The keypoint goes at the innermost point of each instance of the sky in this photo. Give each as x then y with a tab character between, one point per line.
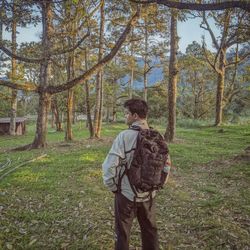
188	32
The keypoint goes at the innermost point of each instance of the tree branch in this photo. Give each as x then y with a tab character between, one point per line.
20	58
208	60
210	31
238	61
39	60
56	53
100	64
19	86
199	7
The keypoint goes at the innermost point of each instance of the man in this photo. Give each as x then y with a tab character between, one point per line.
127	204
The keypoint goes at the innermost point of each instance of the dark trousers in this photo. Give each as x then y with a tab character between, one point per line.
125	212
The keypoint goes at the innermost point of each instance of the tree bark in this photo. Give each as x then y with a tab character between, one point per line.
55	111
70	100
70	76
197	6
196	98
52	117
87	101
145	69
114	118
131	81
220	88
42	121
1	19
172	84
44	97
99	78
13	110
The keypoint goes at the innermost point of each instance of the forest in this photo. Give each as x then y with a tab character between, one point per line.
89	65
70	85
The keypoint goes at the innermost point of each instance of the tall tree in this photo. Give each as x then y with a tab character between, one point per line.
13	111
45	66
87	100
99	78
70	69
132	65
230	35
196	85
172	83
153	25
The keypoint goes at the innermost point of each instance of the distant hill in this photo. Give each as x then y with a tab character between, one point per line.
154	76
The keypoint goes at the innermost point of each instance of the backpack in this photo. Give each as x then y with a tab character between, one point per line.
146	170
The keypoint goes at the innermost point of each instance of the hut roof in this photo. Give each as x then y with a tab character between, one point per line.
7	120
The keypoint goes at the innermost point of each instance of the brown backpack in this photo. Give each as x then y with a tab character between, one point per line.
145	173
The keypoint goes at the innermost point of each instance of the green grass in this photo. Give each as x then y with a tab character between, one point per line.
59	201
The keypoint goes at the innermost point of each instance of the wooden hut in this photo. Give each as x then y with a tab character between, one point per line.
5	126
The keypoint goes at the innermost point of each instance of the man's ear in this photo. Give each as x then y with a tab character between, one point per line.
136	116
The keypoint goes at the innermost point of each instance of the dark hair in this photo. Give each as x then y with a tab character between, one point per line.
138	106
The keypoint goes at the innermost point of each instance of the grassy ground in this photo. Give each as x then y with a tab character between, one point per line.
59	201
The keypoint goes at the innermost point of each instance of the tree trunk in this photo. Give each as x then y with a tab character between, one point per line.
87	102
221	70
69	132
1	18
13	111
221	51
99	124
70	76
74	114
131	81
52	118
145	69
201	98
220	89
114	114
70	100
55	111
40	140
196	98
44	98
108	115
172	84
99	79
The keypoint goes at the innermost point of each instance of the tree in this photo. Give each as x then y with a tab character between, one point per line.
13	15
231	23
196	85
99	77
12	129
172	84
153	25
87	99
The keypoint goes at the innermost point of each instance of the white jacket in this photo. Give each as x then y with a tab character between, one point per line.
121	153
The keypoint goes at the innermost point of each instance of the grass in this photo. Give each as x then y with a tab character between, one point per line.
59	201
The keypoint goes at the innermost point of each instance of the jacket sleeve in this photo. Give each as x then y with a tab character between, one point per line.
112	164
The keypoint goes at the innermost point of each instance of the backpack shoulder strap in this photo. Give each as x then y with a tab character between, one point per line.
135	127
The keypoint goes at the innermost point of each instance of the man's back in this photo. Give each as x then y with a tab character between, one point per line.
122	153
